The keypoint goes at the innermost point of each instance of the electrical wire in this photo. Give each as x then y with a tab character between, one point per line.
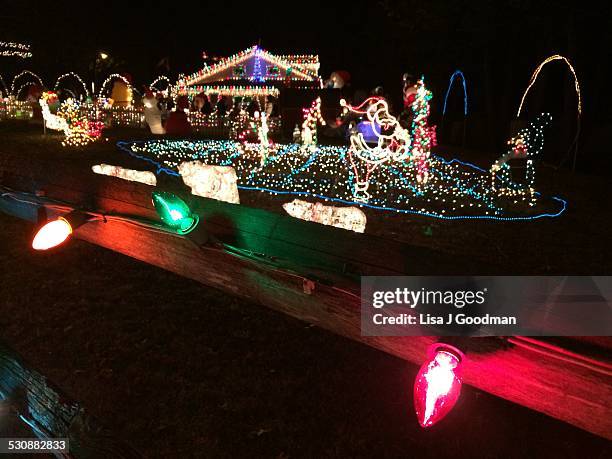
530	344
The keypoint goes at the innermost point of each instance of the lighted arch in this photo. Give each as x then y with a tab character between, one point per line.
159	79
76	77
22	87
534	77
457	73
22	74
111	78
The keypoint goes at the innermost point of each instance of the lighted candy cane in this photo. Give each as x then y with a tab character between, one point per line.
389	147
535	74
532	81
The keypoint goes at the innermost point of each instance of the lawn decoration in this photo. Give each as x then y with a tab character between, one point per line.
396	172
25	74
392	143
79	131
132	175
423	135
121	94
527	145
262	135
215	182
152	114
75	77
312	117
49	101
349	218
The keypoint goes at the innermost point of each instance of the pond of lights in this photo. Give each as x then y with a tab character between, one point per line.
455	189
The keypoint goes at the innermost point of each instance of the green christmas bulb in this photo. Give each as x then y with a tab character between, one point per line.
174	212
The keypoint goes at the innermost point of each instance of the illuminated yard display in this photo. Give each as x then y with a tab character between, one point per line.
350	218
526	145
76	126
312	117
453	190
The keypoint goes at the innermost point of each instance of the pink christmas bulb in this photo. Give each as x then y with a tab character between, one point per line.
437	386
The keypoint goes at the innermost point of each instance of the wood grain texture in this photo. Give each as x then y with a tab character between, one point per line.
55	415
332	260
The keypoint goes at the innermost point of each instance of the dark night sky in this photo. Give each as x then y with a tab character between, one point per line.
496	43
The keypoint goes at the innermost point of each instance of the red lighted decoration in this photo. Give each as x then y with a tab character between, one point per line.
438	384
57	231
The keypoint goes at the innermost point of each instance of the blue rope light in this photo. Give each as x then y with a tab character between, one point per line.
125	146
457	73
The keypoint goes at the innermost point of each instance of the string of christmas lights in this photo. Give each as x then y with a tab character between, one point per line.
71	75
294	69
455	190
159	79
312	117
22	74
535	74
111	78
456	74
11	49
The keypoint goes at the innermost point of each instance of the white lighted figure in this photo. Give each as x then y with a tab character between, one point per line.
527	144
152	114
392	142
215	182
312	117
349	218
262	134
53	122
132	175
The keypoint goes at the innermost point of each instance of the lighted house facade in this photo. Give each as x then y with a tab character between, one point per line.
253	72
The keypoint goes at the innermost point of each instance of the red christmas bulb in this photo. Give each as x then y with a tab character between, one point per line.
437	385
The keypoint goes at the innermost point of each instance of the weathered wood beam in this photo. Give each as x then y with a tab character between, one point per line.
317	256
53	414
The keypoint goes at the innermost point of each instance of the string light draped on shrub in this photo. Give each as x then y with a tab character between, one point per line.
423	135
312	117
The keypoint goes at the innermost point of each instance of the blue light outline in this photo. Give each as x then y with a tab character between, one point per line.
450	85
124	146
